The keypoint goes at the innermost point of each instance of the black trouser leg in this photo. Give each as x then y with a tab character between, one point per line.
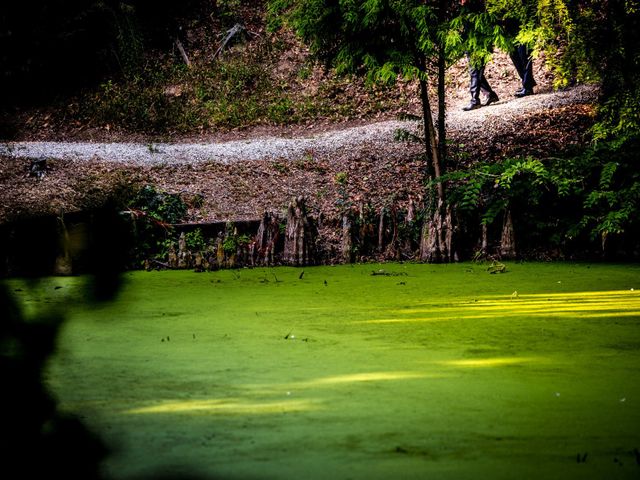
484	84
478	83
521	58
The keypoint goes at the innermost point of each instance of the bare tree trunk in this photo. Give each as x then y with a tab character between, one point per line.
219	248
172	256
237	28
437	234
381	231
508	240
449	230
407	247
430	141
435	242
347	241
183	52
484	245
299	237
182	251
442	108
63	263
411	210
231	234
198	262
266	239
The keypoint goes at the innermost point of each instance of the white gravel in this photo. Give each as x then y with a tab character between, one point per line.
377	134
507	109
175	153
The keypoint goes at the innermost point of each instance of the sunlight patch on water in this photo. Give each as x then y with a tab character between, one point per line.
489	362
622	303
340	381
227	407
362	377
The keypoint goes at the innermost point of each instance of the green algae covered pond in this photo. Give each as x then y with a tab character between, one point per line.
418	372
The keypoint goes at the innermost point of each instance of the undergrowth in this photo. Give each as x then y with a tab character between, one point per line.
240	89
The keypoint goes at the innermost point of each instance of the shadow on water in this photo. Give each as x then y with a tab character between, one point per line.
37	439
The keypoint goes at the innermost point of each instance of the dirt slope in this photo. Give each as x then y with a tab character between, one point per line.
241	174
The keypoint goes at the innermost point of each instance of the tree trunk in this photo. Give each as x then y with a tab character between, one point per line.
183	252
436	238
411	211
172	257
266	239
484	243
508	240
430	142
219	249
436	243
63	263
442	108
381	231
183	52
347	241
408	250
299	237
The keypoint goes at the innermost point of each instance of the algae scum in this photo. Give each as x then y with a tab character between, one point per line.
421	371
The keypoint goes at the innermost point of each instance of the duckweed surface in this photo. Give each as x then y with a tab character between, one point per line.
417	372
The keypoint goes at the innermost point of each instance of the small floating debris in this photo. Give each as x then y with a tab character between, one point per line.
384	273
497	267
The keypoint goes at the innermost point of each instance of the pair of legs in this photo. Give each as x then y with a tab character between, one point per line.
521	58
479	84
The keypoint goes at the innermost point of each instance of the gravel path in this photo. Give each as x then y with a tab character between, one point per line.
226	152
374	135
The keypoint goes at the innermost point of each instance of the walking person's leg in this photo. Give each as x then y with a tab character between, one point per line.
492	96
475	77
523	62
478	83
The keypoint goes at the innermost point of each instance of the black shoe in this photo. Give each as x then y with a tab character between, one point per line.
524	92
492	98
471	106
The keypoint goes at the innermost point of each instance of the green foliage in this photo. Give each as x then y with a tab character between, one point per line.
533	171
612	204
238	90
195	240
151	229
491	188
229	11
233	242
380	39
585	41
619	116
476	33
234	92
593	195
343	200
161	206
129	43
341	178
